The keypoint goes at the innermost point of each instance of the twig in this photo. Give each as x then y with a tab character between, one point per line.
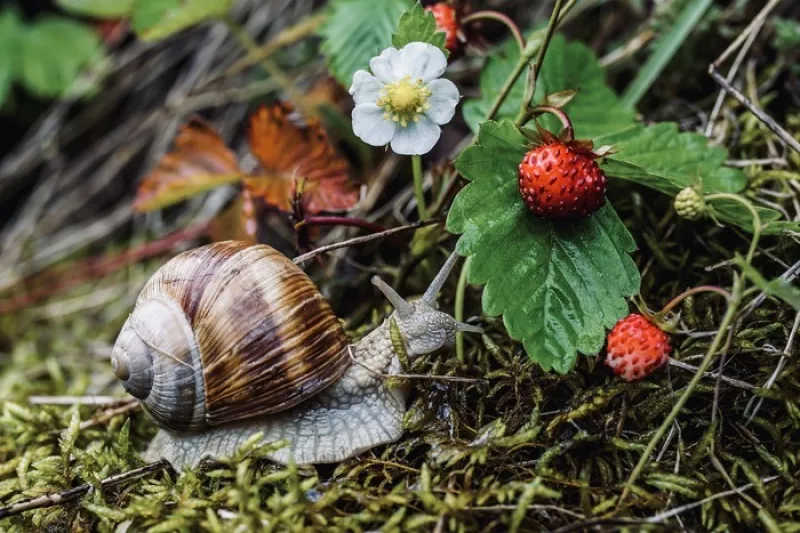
127	407
314	220
757	21
592	523
74	493
793	143
364	239
731	75
628	49
75	400
749	411
661	517
57	498
712	375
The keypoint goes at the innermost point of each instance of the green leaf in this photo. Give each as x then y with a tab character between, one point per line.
53	52
102	9
664	49
158	19
779	287
594	110
10	25
419	25
356	31
557	285
662	158
787	34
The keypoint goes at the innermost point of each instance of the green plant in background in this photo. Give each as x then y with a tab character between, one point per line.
558	286
51	57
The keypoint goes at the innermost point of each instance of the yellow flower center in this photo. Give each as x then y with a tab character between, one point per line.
404	100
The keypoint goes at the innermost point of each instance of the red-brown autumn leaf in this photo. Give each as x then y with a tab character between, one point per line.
199	162
289	153
237	222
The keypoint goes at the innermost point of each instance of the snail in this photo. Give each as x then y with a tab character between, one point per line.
233	339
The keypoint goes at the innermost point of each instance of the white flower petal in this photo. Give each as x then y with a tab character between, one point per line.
417	138
422	61
370	126
366	88
443	101
386	66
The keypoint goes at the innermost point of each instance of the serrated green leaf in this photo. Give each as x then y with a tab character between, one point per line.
9	30
419	25
159	19
557	285
661	157
48	74
778	287
594	110
356	31
102	9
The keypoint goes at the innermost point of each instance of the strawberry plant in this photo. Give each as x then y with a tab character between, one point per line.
572	165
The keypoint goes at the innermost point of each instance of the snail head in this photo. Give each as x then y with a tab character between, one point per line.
425	328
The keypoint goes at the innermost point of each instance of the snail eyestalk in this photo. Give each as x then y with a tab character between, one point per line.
438	282
403	308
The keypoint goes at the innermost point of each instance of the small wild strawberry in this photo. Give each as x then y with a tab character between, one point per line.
447	21
636	347
559	178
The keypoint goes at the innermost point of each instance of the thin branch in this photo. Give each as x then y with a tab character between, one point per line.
661	517
364	239
785	136
58	498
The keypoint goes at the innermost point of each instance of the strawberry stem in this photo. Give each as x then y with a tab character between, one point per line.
499	17
696	290
569	131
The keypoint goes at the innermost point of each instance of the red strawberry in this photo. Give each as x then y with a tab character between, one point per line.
636	347
560	179
447	21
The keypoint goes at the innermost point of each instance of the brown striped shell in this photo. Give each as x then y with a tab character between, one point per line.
226	332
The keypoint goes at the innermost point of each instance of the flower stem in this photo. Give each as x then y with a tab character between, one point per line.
733	304
458	313
419	192
753	212
499	17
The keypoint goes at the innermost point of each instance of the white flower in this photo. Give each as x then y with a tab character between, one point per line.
404	102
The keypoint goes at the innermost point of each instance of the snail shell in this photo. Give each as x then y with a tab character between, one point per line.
227	332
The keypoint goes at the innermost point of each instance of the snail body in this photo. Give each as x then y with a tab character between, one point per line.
232	339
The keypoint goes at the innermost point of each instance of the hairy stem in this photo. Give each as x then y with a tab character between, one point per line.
419	191
458	313
499	17
753	212
531	48
566	123
733	304
695	290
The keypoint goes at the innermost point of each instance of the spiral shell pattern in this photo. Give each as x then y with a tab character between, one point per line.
227	332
